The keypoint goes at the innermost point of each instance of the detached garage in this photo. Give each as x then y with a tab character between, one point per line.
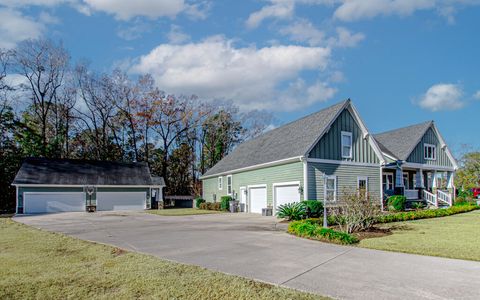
65	185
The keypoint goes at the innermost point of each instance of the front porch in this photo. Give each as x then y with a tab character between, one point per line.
433	186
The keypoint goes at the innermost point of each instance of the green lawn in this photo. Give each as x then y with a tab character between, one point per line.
182	212
455	236
43	265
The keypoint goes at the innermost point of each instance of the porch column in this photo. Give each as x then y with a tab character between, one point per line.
399	181
419	179
434	182
450	183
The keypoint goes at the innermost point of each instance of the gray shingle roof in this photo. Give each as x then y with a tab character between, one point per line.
400	142
290	140
84	172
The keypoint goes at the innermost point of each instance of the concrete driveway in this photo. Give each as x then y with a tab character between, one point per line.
257	247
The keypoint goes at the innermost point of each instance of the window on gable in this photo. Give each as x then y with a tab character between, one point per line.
229	184
430	151
330	188
346	144
220	183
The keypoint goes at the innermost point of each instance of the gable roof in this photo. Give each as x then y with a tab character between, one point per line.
84	172
399	143
291	140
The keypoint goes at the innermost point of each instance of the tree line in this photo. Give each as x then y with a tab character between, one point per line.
61	109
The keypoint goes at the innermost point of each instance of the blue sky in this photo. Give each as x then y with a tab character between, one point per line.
400	61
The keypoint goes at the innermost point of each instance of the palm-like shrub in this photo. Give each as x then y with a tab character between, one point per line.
313	208
291	211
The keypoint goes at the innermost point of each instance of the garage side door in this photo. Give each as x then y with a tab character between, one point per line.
258	199
35	203
121	200
286	194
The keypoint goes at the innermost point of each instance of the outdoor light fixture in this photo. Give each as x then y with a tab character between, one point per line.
300	190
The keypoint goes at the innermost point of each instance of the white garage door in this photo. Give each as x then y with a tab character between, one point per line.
35	203
121	200
258	199
286	194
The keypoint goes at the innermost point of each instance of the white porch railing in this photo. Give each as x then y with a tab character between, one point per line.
444	197
430	198
411	194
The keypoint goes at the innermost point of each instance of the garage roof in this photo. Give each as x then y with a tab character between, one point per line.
84	172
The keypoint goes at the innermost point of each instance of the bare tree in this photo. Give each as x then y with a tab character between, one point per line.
44	64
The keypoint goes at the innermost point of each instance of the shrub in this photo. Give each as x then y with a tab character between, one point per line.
225	202
215	206
313	208
357	212
425	214
396	203
199	201
418	205
466	194
310	228
291	211
203	205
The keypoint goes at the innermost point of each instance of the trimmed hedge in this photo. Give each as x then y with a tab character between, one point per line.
225	202
425	214
310	228
199	201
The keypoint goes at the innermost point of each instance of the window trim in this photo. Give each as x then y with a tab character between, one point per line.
220	182
350	135
434	151
365	178
388	182
230	186
327	177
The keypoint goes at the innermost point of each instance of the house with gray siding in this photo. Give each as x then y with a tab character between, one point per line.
329	153
59	185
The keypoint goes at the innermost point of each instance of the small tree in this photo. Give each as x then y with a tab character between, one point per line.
357	211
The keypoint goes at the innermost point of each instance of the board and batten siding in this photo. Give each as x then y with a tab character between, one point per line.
329	146
347	176
268	176
418	156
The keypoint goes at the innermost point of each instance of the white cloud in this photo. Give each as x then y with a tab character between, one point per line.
133	31
125	10
176	35
251	77
477	95
346	38
280	9
443	96
15	27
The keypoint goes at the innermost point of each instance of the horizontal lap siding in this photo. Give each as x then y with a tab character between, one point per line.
269	175
330	145
346	179
418	156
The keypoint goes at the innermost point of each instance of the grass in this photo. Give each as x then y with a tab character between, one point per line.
454	236
182	212
43	265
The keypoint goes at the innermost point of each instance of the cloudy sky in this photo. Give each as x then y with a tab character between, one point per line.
400	61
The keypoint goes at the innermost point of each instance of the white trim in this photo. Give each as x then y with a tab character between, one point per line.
366	182
381	188
258	166
244	188
427	167
56	193
231	185
341	162
386	174
389	156
16	200
305	179
220	183
325	188
256	186
444	146
277	184
434	151
350	135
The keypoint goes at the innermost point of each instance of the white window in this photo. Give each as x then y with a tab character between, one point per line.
220	183
229	184
346	144
330	188
430	151
387	182
362	184
406	181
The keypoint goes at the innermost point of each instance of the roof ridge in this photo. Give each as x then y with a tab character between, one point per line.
404	127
